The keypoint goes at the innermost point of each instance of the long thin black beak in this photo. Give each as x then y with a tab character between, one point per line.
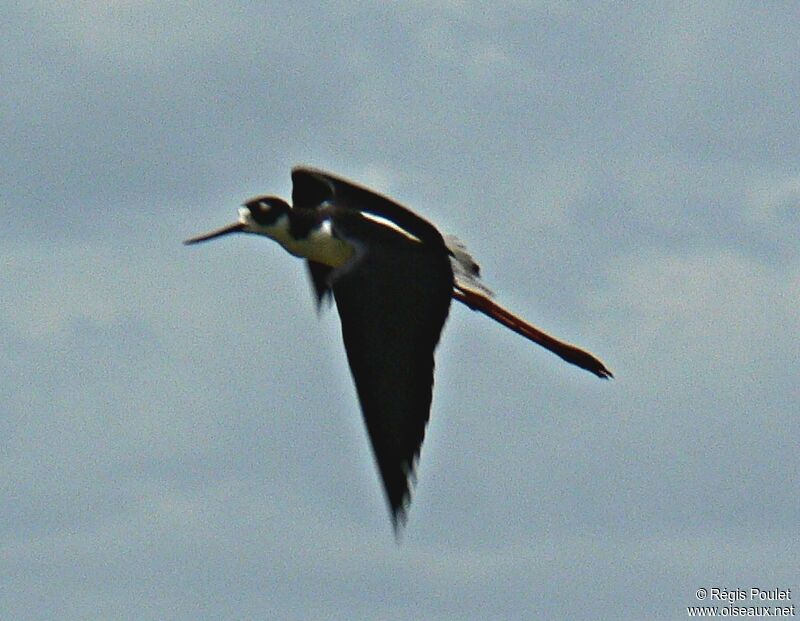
236	227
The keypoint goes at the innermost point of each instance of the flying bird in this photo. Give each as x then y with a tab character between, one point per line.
392	275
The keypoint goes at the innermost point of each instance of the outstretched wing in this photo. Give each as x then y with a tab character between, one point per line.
392	302
393	299
311	188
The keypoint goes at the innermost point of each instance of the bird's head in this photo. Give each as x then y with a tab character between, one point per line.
261	215
263	211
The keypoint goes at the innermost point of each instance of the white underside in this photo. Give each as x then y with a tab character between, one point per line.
320	246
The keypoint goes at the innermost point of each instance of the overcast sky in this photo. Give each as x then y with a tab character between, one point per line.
179	434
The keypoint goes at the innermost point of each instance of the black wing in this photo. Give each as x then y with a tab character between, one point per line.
393	303
320	275
312	187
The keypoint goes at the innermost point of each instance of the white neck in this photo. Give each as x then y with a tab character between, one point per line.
321	245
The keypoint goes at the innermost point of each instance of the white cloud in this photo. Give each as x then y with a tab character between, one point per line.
50	289
723	311
774	205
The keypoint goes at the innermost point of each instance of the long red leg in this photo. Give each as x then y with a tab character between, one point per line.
570	353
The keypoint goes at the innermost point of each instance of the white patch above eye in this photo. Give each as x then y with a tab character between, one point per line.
245	217
391	225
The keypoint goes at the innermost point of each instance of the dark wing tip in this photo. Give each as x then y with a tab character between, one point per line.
398	483
399	520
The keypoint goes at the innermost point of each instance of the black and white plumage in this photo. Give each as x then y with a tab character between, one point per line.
392	275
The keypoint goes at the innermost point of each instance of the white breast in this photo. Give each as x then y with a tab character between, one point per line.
321	245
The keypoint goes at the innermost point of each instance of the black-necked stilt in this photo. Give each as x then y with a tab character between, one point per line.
392	275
